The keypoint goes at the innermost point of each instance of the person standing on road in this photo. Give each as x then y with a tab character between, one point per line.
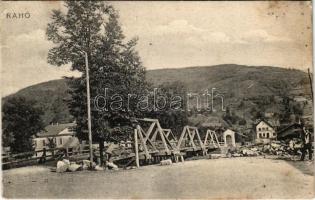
307	145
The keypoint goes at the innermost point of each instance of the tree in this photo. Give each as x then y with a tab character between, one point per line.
21	120
256	113
76	32
227	116
114	66
241	105
174	115
242	122
58	110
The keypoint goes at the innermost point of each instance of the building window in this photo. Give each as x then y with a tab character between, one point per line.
267	135
274	134
267	128
44	142
60	141
259	129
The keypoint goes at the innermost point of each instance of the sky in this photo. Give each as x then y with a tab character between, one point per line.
171	35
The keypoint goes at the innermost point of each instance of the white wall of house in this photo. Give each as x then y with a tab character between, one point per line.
42	142
264	131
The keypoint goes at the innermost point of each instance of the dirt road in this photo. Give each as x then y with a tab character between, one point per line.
220	178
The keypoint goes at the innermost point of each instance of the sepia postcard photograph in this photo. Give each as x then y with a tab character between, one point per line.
157	100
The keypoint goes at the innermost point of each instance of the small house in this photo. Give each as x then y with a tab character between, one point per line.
265	131
54	136
229	138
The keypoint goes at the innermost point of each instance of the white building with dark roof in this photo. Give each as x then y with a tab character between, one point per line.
55	134
265	131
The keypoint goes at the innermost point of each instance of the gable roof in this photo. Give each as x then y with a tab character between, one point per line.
54	130
269	124
290	131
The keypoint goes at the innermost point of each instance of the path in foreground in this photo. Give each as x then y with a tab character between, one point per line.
220	178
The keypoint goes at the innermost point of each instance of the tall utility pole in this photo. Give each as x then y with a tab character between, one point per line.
311	82
88	106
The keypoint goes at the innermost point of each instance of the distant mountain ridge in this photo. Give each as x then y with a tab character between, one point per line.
236	82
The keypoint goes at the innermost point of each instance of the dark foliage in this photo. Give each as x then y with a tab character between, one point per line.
21	120
114	67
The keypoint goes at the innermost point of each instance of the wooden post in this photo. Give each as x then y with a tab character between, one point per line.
162	137
200	142
206	138
176	158
88	107
191	136
149	131
101	144
182	158
44	155
67	152
144	145
136	148
181	138
216	139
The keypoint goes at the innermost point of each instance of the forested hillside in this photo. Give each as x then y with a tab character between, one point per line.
246	89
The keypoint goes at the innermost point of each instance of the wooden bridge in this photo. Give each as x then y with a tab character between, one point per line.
151	144
155	143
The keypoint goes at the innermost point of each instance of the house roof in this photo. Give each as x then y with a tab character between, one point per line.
263	120
55	130
293	130
228	131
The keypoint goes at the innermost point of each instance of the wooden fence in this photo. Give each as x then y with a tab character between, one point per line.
41	156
